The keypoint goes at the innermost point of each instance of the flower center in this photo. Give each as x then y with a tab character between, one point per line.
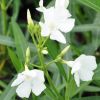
28	78
52	26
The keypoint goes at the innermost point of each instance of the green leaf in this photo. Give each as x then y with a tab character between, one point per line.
5	40
20	41
89	98
53	50
16	8
92	89
86	27
97	73
49	93
94	4
8	93
17	64
74	89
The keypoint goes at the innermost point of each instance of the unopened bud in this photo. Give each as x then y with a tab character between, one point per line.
64	51
27	55
45	51
29	18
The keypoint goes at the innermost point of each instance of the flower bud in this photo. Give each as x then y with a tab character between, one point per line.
29	18
30	22
44	51
64	51
27	56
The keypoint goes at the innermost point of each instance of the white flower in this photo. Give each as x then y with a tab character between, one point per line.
82	68
29	80
57	20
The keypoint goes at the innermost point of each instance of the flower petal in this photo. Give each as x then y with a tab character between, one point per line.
44	29
86	75
62	16
76	67
41	3
39	74
20	79
24	89
41	8
38	88
88	62
67	25
61	3
49	15
58	36
77	79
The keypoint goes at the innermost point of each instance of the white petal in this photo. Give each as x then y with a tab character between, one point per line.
76	67
24	89
77	79
67	25
39	75
41	3
58	36
88	62
20	79
62	16
41	9
86	75
29	73
38	88
45	31
61	3
49	15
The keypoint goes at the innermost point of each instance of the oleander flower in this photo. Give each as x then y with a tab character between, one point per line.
56	20
29	80
82	68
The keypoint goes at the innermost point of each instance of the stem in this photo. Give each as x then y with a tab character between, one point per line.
67	95
53	61
46	72
45	41
4	19
67	92
9	3
35	65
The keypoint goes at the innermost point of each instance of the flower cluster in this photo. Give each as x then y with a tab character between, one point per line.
57	19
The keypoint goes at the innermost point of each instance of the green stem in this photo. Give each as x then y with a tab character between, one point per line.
67	95
67	92
35	65
53	61
4	19
46	72
45	41
9	3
